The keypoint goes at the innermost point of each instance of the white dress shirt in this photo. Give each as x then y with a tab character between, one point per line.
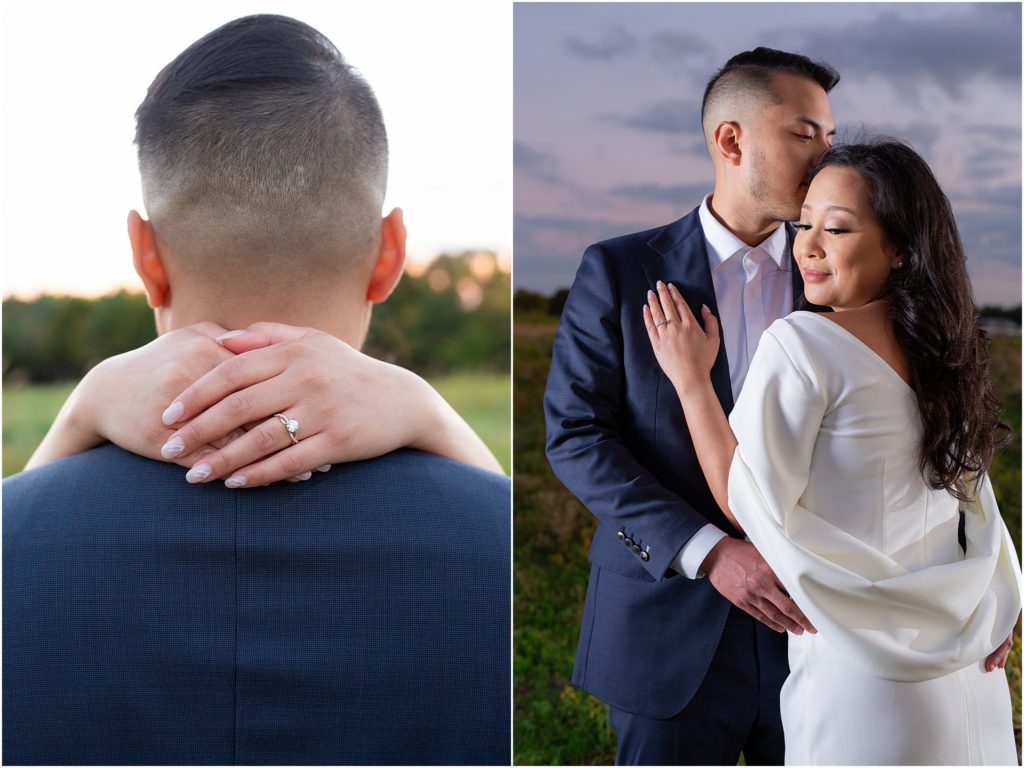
753	288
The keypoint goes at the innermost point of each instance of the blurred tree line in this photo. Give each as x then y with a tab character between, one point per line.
528	303
454	316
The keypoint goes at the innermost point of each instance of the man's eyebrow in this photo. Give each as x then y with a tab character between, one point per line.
814	124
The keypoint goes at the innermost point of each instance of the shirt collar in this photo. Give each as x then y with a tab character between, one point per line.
722	244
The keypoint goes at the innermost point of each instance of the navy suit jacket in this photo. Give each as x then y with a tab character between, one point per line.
359	617
617	438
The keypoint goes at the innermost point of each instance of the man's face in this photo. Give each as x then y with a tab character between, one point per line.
784	141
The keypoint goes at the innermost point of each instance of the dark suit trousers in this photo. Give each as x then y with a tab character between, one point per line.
736	708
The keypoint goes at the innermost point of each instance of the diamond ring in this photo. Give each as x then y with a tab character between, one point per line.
291	425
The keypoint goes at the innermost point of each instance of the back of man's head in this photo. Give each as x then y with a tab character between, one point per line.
747	79
263	156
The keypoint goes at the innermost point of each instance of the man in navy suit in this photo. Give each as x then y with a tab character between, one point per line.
683	630
361	617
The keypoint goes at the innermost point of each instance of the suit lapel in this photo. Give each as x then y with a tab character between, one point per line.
683	261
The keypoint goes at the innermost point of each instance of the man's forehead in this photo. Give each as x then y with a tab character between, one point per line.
801	99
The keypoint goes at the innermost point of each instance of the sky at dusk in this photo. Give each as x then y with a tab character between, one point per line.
72	75
607	114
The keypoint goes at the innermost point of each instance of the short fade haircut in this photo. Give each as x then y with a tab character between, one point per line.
262	153
751	75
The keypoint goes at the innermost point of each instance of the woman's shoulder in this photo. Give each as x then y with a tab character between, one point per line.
813	344
841	348
800	334
863	323
865	332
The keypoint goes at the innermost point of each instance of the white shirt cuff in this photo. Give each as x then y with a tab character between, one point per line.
692	555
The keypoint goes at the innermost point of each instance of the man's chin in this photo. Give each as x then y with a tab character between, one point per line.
792	209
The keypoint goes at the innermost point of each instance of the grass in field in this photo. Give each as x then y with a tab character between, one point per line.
1006	481
28	413
556	724
481	398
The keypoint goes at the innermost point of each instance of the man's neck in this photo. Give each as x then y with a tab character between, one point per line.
341	319
736	214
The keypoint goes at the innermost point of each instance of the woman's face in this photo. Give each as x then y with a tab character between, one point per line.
840	247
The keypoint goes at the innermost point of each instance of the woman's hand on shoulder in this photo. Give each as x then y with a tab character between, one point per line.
346	406
121	398
685	349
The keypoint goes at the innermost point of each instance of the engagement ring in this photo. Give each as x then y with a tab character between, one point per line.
291	425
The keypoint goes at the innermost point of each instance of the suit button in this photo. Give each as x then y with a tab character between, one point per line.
621	535
644	556
636	548
627	541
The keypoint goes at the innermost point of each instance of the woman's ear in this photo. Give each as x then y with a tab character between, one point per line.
897	258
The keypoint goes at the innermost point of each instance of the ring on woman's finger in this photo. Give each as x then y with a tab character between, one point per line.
661	323
291	425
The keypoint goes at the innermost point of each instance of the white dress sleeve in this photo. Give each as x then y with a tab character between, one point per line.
894	623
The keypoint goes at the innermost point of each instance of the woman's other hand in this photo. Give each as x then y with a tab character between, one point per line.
684	350
997	659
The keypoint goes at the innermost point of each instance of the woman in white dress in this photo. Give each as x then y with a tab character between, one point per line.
857	440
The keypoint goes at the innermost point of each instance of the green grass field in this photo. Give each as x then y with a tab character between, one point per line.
481	398
554	723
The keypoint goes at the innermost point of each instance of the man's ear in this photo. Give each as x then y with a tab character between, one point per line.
727	141
147	261
387	270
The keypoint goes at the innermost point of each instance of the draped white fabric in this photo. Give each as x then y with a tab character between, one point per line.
826	484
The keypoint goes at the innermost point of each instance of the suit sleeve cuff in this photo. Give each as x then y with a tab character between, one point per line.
692	555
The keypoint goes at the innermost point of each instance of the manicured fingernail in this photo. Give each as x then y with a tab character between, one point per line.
661	284
704	308
230	335
324	468
305	476
172	447
199	473
235	481
174	412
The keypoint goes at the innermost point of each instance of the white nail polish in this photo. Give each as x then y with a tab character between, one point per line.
305	476
235	481
230	335
324	468
198	473
172	447
174	412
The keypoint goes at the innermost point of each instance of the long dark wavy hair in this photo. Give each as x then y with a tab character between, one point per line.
933	313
